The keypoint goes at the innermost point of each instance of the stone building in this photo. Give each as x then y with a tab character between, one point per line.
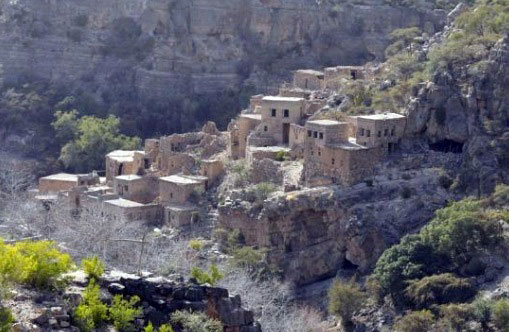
127	210
141	189
178	189
212	169
330	156
239	131
382	130
120	162
308	79
63	181
278	113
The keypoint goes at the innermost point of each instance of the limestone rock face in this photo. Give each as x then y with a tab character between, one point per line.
468	106
161	48
313	233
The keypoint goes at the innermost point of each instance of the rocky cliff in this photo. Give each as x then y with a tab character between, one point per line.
313	233
164	48
465	107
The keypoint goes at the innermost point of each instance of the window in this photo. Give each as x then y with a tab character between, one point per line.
265	128
315	134
286	113
319	152
310	133
368	133
312	153
126	189
171	195
321	135
392	131
379	133
333	161
274	112
361	132
386	132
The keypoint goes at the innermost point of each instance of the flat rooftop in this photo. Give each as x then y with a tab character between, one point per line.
254	116
181	207
351	145
124	203
123	155
381	116
310	72
184	179
269	148
62	177
280	98
130	177
325	122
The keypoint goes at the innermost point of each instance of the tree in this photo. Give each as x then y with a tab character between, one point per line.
94	138
345	298
123	313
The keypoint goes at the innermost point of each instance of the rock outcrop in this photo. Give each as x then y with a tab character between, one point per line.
464	108
159	297
164	48
311	234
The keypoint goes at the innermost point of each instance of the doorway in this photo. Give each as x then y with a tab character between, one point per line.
286	133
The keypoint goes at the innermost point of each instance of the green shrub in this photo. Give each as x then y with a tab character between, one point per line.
91	312
203	277
196	245
481	310
93	267
38	263
123	313
457	233
439	289
195	322
281	156
416	321
6	319
454	317
345	298
149	327
500	314
263	190
248	258
165	328
162	328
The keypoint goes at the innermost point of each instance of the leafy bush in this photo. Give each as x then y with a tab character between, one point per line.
165	328
500	312
439	289
123	313
91	312
195	322
196	245
211	277
416	321
93	267
345	298
481	310
248	258
454	317
263	190
149	327
457	233
281	156
6	319
37	263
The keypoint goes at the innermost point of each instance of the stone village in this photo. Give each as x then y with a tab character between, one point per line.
165	182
